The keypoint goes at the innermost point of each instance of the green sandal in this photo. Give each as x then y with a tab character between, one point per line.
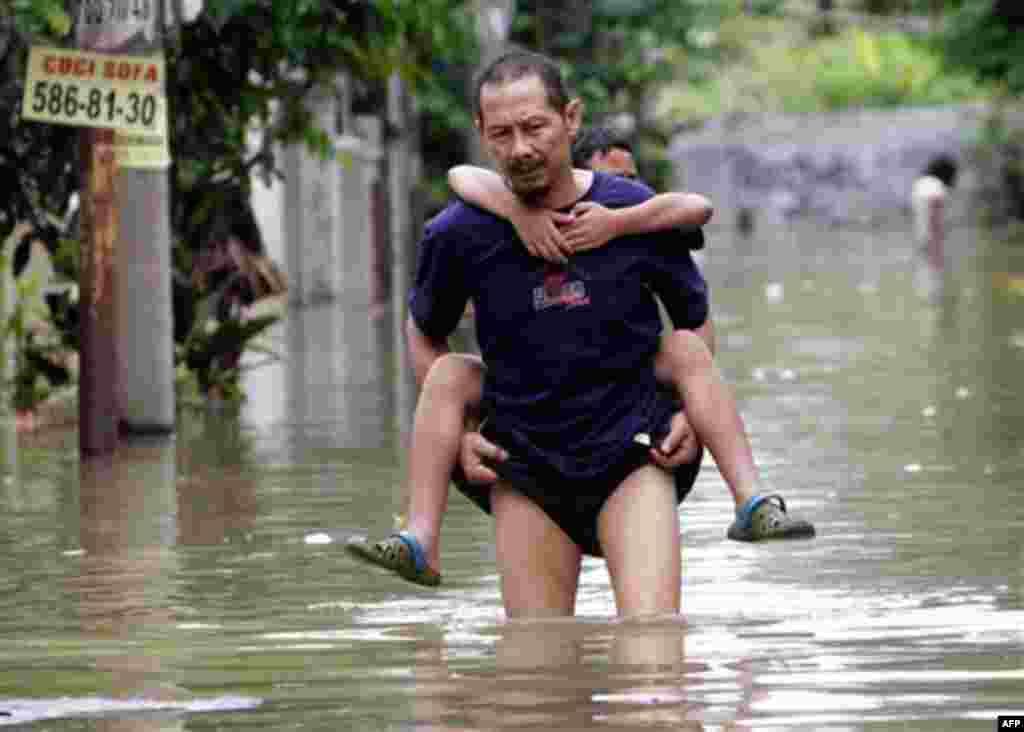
401	553
765	517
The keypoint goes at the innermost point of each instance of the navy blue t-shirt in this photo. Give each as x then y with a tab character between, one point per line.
569	350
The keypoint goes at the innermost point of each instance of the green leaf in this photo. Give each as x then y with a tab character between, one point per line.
58	21
220	12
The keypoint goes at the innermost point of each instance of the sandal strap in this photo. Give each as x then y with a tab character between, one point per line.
419	557
745	513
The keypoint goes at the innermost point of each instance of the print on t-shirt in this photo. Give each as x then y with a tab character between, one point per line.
559	290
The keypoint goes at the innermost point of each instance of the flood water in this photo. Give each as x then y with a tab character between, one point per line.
198	583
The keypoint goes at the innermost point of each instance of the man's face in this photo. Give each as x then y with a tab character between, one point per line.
616	161
528	139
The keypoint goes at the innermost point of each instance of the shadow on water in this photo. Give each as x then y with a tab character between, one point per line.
197	582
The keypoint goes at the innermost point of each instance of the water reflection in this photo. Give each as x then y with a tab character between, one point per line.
8	449
109	600
215	503
572	675
126	571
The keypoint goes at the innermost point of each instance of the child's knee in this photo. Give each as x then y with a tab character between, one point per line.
683	351
455	377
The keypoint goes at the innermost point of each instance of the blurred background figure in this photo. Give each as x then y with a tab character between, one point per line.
929	198
602	148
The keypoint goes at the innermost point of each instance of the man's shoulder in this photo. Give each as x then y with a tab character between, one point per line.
459	218
615	190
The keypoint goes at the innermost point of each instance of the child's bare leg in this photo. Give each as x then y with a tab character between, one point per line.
685	361
451	391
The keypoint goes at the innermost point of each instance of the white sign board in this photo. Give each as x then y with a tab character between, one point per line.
109	24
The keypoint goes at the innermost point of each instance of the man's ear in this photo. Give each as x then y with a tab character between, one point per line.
574	117
479	124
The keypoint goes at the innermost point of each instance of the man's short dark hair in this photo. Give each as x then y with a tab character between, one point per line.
515	65
944	168
597	140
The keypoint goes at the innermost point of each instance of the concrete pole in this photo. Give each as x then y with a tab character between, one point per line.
144	314
145	321
401	150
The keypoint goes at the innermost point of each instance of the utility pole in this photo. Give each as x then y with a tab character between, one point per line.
126	325
97	387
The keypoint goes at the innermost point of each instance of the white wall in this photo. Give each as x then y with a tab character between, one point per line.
316	222
842	167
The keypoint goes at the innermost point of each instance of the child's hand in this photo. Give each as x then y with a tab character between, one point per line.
593	227
539	231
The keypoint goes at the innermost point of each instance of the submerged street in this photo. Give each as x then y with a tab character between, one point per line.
199	583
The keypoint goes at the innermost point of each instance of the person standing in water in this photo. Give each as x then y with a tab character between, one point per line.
929	203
